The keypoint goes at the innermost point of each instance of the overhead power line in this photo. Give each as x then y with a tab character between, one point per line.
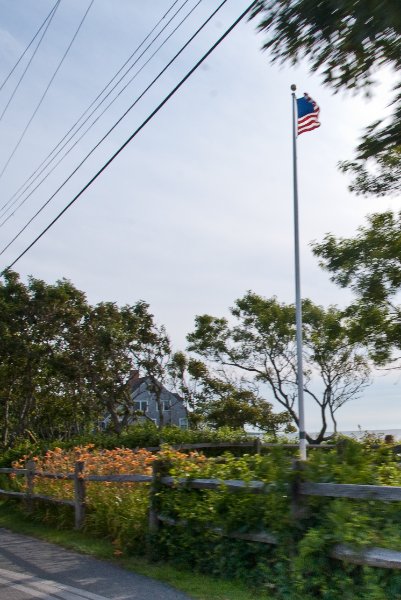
12	201
46	90
28	46
20	193
114	126
134	134
50	19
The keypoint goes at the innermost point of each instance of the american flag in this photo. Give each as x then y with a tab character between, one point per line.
308	114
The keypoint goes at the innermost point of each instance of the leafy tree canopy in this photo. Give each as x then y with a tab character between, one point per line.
64	364
65	367
261	346
347	41
218	400
370	265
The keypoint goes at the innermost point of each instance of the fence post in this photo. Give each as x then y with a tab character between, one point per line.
79	493
156	473
258	446
298	508
30	482
159	468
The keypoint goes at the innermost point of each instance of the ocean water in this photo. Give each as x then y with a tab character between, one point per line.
396	433
381	433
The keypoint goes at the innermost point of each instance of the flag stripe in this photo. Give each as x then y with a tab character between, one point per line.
308	125
307	119
304	130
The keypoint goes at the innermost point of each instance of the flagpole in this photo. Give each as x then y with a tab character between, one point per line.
298	300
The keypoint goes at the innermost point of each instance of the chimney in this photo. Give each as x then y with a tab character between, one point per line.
133	376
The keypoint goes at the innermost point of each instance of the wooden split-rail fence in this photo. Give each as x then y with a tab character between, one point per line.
299	489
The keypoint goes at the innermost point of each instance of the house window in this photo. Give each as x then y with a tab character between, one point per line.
142	405
166	405
183	422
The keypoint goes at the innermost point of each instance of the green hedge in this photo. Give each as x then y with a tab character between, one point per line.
137	436
300	566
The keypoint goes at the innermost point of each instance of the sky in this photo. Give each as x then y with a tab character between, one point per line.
198	208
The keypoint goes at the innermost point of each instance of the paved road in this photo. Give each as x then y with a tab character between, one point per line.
32	569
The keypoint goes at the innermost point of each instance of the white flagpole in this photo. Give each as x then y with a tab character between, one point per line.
298	300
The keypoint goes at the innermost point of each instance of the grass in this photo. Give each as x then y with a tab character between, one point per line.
198	586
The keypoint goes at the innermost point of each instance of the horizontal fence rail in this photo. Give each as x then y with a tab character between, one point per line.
349	490
233	485
29	496
47	475
15	471
10	494
372	557
119	478
261	537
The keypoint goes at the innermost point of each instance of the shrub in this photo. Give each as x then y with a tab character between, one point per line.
140	435
117	511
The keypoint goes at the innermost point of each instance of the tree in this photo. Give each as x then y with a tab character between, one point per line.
370	264
153	356
347	42
218	400
65	365
33	387
262	346
110	339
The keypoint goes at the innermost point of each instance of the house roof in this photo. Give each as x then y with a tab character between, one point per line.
138	381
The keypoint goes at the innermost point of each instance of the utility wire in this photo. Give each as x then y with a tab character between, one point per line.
90	127
46	163
17	193
46	90
27	48
134	134
114	126
52	13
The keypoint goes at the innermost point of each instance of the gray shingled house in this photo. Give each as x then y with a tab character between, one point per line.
151	398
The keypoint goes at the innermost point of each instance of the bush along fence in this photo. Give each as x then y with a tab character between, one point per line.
376	557
255	445
297	521
78	477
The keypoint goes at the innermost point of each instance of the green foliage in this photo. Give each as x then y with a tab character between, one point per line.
119	514
300	566
140	435
261	345
357	523
346	42
199	547
35	320
65	365
370	265
147	436
385	179
217	399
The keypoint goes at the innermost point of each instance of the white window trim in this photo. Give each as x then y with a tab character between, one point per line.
142	405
